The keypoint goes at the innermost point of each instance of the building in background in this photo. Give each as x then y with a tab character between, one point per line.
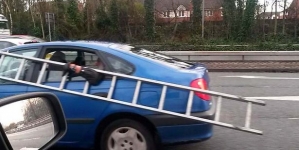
168	11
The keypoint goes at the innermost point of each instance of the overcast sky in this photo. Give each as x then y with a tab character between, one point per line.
270	2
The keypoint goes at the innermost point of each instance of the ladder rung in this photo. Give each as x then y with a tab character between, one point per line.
248	115
162	98
136	93
1	59
20	69
218	108
41	75
86	86
189	104
62	83
112	86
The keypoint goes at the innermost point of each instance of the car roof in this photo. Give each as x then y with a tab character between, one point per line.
15	41
29	37
87	44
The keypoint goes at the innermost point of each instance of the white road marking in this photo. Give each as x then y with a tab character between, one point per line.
261	77
293	118
277	98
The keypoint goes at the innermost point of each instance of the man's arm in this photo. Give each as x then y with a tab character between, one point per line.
93	77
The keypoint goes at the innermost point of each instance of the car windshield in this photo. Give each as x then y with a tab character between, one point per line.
3	25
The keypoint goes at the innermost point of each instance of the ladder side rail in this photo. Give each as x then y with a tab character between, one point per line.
244	129
213	93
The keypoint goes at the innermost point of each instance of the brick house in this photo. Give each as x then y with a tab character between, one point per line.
291	10
181	10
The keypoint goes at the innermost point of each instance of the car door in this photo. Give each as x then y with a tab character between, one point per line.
9	68
81	112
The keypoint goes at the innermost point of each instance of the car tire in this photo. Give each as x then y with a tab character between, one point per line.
126	134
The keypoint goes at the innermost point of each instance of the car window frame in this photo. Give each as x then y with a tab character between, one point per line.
30	71
79	48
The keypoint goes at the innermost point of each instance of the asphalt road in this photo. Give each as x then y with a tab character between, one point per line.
32	138
279	120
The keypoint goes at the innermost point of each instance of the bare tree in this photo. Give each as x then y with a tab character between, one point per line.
275	25
284	16
174	8
264	19
8	7
31	6
40	2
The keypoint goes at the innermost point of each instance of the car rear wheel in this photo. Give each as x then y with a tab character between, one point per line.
126	134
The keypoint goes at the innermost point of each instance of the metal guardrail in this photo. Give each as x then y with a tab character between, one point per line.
38	122
234	55
195	56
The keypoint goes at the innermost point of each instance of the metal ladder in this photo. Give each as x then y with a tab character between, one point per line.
139	80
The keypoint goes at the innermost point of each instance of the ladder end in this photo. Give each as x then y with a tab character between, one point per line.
249	130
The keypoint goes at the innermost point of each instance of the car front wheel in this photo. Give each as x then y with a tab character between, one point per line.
126	134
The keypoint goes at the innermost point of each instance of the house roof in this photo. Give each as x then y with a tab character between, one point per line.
293	5
163	5
213	4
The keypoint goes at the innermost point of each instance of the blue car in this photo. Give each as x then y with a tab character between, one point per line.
105	125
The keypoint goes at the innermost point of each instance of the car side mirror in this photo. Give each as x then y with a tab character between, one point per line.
34	121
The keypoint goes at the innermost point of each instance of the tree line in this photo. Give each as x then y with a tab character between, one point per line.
134	21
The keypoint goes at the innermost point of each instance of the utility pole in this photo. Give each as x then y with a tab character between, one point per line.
50	18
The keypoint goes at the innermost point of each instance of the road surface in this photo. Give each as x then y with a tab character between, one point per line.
32	138
279	119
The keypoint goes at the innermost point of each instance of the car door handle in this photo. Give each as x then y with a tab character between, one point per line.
102	94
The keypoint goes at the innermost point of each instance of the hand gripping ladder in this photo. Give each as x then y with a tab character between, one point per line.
139	80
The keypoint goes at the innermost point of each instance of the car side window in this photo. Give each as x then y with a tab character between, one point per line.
77	57
10	65
119	65
91	60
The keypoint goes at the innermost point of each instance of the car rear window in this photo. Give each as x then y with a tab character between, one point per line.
169	60
155	56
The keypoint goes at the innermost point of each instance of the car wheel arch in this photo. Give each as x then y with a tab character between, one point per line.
125	115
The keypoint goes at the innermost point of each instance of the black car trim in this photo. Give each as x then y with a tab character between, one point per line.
80	120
